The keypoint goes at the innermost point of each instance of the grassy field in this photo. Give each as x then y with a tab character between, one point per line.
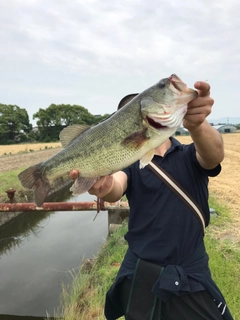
226	186
12	164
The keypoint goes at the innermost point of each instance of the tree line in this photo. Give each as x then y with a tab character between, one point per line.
15	126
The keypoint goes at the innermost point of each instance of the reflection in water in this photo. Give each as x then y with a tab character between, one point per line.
39	251
13	233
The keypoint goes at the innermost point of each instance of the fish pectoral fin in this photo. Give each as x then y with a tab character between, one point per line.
82	185
68	134
136	140
146	158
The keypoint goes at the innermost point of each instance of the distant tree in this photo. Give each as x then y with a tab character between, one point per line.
14	124
100	118
56	117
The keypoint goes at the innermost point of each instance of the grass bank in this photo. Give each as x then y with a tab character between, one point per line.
9	180
84	300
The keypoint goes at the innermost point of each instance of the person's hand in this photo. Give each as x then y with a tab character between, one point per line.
100	188
200	107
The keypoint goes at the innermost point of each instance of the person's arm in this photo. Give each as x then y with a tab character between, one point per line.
207	140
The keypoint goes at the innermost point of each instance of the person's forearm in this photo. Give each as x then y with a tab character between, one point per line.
209	145
115	193
110	188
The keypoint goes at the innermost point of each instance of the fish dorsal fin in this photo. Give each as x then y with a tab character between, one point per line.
126	99
146	158
68	134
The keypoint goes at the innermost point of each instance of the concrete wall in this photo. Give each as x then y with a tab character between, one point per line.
116	216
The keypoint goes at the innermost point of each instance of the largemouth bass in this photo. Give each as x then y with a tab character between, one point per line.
130	134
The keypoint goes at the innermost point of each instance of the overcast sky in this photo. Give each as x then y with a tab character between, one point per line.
92	53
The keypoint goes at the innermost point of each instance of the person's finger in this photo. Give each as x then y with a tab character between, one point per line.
74	174
102	186
205	101
97	185
203	88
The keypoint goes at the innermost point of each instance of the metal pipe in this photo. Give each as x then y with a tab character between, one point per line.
52	206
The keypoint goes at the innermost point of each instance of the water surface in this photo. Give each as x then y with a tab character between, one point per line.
39	251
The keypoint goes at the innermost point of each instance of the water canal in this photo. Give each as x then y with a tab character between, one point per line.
38	253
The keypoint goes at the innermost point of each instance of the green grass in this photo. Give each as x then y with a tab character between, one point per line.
225	267
224	258
9	180
222	210
85	298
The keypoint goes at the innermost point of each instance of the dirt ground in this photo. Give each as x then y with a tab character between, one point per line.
225	187
16	161
20	155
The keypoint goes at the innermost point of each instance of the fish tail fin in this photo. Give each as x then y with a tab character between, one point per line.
32	178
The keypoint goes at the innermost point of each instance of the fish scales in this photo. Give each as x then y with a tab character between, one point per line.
97	155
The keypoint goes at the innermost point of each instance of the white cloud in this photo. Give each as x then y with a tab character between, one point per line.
94	52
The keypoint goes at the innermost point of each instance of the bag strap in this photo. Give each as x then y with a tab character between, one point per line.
179	191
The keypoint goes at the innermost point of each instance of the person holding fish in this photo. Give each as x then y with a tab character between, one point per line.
165	273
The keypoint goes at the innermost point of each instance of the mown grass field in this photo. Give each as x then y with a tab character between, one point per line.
28	147
226	186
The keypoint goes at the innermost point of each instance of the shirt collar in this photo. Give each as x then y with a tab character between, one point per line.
174	146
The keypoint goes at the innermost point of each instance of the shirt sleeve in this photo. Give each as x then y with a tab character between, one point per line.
209	172
128	172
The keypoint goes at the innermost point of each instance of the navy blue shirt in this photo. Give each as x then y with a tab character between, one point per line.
162	228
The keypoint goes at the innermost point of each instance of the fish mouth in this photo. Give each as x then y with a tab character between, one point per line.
154	124
177	84
179	87
167	112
